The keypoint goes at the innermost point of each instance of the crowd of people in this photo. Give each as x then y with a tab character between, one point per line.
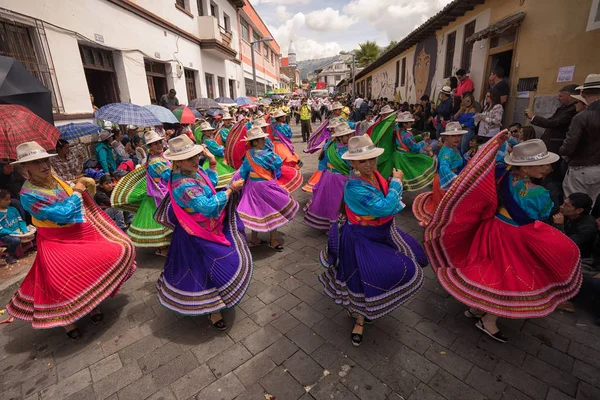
509	221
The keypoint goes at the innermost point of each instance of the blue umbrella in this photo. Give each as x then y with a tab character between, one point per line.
127	114
73	131
196	113
162	113
243	101
225	100
214	111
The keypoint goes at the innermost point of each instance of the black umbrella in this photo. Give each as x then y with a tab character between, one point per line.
18	86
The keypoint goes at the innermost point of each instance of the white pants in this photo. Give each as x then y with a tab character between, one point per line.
584	180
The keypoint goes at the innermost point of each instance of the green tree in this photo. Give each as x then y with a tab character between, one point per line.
390	46
367	53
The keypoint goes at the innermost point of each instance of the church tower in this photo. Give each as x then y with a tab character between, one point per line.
292	54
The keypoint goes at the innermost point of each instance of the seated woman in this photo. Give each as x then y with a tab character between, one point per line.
208	139
323	209
450	162
372	266
209	265
82	257
282	140
514	265
264	206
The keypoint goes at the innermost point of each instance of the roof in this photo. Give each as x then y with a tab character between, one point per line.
284	61
448	14
511	21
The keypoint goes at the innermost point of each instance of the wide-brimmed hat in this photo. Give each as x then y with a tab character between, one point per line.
227	116
447	90
592	81
386	110
405	117
361	148
259	114
337	106
104	134
259	123
132	127
342	129
279	113
530	153
205	126
334	123
254	133
453	128
580	98
30	151
182	148
152	137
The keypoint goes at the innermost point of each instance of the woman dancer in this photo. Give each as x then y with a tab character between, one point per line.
209	264
282	140
207	138
323	209
82	257
515	266
141	191
265	206
450	162
373	267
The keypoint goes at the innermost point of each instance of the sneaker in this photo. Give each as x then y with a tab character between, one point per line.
10	259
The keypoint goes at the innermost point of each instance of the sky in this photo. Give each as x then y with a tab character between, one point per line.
323	28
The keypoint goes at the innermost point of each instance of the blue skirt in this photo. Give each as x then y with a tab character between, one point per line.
371	270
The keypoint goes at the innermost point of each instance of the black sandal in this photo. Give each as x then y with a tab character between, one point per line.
357	337
469	314
97	318
74	334
367	320
220	324
499	336
278	248
254	244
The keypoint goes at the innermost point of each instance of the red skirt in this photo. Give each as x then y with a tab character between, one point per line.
491	264
288	158
290	179
75	269
425	204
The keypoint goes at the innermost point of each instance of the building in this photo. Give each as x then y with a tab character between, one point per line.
125	51
292	72
537	54
266	54
333	73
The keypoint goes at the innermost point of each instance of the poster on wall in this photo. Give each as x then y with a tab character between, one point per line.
565	74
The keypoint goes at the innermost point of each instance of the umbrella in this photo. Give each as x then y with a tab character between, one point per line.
266	101
277	97
73	131
269	93
203	103
197	113
18	86
127	114
213	111
243	101
18	124
184	115
249	106
162	113
225	100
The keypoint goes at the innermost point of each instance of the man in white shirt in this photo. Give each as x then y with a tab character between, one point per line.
358	102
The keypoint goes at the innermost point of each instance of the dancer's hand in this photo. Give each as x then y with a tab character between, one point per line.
79	187
209	155
396	173
237	185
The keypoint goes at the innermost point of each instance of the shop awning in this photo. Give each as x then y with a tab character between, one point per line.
499	27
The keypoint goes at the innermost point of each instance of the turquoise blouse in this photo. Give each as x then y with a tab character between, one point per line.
450	163
533	199
266	159
340	149
194	195
366	200
409	140
54	205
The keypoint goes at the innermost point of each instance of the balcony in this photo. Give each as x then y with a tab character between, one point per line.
214	38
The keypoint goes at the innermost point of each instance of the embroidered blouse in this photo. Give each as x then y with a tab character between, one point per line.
409	141
159	168
224	132
213	147
533	199
54	205
194	195
266	159
450	163
325	163
284	129
367	200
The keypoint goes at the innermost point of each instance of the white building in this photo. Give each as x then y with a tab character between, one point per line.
335	72
121	50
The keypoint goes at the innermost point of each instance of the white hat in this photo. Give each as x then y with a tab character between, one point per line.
255	133
386	110
259	123
279	113
132	127
227	116
361	148
334	123
104	134
205	126
592	81
259	114
530	153
342	129
108	125
447	90
182	148
405	117
30	151
151	137
337	106
453	128
580	98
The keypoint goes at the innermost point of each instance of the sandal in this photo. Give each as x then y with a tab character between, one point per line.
367	320
220	324
278	248
497	336
160	253
357	337
74	334
254	244
469	314
97	317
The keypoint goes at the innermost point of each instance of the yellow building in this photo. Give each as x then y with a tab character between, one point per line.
542	45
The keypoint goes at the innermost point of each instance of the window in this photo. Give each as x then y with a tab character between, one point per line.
255	37
200	7
450	42
190	84
266	51
100	75
397	73
272	57
467	50
214	11
156	77
337	78
403	75
245	30
232	89
227	22
210	86
180	3
221	83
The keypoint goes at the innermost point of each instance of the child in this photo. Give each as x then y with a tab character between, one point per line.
366	124
140	153
473	147
11	223
102	198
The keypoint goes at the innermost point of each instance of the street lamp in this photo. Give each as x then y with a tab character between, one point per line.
350	53
265	39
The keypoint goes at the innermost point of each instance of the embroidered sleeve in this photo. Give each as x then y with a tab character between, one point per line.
214	148
159	170
409	141
364	199
45	207
200	199
445	170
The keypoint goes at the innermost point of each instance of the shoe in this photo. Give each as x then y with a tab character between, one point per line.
497	336
367	320
469	314
357	337
97	318
74	334
220	324
278	248
10	259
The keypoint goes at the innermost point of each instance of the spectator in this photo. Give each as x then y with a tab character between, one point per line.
581	104
119	149
132	133
443	112
66	166
11	223
316	110
358	102
305	126
516	131
582	147
578	224
104	153
490	120
498	83
465	116
527	133
102	198
363	126
465	84
170	100
427	114
140	153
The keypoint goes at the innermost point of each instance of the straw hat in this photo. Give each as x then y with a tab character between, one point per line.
227	116
259	114
259	123
182	148
104	134
132	127
334	123
530	153
255	133
342	129
30	151
361	148
386	110
580	98
337	106
152	137
205	126
447	90
405	117
453	128
279	113
592	81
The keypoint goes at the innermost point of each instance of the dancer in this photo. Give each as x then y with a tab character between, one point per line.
282	140
514	265
207	138
141	191
450	162
82	257
372	266
209	265
323	209
337	110
265	206
224	131
316	176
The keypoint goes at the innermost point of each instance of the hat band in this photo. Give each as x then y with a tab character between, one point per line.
536	157
32	153
184	149
362	150
593	83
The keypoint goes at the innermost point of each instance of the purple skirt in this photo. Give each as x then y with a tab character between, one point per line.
324	207
265	206
202	277
371	270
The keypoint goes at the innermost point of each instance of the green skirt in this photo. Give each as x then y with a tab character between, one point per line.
224	172
419	169
144	230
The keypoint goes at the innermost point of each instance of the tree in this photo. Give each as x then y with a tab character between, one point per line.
390	46
366	53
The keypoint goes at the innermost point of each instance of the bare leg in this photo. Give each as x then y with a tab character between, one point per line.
357	330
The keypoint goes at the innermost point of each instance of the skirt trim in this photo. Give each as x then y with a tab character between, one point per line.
272	221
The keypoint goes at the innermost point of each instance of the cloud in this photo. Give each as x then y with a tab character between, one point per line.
329	19
281	13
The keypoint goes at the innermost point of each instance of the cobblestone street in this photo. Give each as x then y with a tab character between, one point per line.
288	340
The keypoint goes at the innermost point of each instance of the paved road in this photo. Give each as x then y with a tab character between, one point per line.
290	341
